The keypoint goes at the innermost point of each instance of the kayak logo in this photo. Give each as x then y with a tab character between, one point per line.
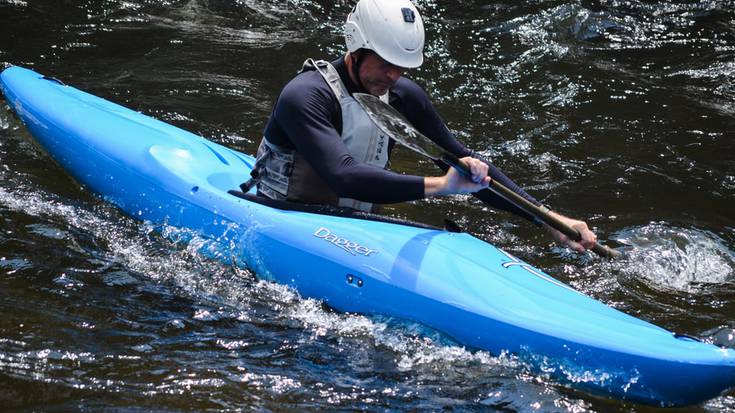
350	246
515	262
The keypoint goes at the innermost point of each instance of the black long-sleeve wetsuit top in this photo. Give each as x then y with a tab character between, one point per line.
307	116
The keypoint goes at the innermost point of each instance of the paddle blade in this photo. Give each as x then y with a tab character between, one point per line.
396	126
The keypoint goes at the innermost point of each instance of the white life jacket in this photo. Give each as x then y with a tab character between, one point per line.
284	174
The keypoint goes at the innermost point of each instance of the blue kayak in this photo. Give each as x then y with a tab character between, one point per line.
474	292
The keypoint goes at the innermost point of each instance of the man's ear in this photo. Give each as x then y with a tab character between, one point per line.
356	55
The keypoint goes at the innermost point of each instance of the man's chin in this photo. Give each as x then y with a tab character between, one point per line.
378	91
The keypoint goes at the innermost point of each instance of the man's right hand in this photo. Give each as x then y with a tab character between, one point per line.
456	183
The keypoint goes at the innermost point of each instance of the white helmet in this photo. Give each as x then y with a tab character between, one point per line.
391	28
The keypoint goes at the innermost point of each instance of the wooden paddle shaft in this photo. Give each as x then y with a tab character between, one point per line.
540	212
543	214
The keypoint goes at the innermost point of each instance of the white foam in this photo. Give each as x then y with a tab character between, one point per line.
684	259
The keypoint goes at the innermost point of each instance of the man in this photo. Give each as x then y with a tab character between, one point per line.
320	147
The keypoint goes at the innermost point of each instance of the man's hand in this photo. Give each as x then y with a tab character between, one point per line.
456	183
588	237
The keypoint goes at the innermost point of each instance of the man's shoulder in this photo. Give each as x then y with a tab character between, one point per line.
408	89
307	94
410	92
308	84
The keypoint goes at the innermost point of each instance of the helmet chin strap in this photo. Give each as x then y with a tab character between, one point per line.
356	63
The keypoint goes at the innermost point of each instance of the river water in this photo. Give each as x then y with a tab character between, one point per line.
618	112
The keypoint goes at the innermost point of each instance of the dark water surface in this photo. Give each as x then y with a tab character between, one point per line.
618	112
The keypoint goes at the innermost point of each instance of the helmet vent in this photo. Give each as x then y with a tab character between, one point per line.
408	15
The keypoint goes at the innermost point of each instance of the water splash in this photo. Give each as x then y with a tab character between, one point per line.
682	259
222	294
17	3
569	371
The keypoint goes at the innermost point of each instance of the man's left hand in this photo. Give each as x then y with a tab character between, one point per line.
587	241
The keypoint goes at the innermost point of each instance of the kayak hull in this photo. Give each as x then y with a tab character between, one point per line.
474	292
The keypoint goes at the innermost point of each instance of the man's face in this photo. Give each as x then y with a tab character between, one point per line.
377	75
